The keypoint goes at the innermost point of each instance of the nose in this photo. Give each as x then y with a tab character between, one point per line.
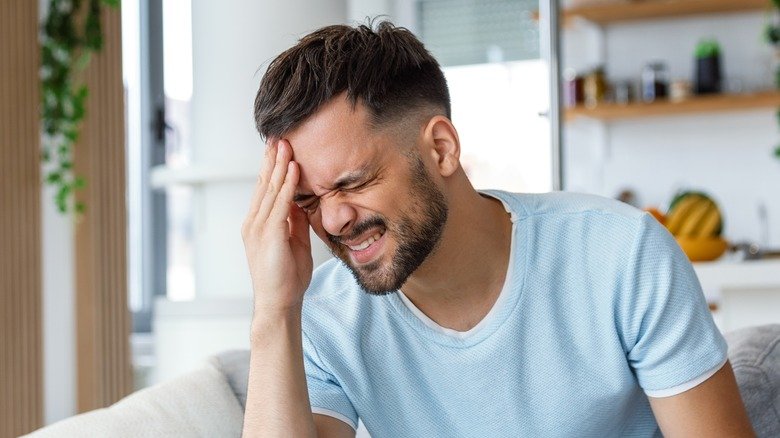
337	216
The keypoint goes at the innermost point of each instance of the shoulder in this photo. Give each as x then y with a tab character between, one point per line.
330	279
568	208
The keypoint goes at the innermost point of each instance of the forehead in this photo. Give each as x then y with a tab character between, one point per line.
336	140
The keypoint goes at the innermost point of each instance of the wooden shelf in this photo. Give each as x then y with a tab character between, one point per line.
613	11
692	105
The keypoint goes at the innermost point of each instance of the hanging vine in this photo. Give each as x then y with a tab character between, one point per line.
66	46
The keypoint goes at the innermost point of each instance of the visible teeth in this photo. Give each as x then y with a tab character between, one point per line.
366	243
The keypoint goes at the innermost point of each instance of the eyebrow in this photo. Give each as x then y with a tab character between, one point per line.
347	180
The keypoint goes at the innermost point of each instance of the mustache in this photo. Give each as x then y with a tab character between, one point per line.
359	229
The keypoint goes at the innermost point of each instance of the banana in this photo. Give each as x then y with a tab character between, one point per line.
677	216
710	224
691	223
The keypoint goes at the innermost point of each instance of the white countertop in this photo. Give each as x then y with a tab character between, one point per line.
730	274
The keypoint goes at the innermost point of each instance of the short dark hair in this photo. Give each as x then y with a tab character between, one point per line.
387	69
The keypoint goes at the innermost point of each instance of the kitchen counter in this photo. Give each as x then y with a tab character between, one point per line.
746	292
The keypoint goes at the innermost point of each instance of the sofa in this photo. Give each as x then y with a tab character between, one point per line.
210	402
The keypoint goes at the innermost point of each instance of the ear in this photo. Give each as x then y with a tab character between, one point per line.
441	135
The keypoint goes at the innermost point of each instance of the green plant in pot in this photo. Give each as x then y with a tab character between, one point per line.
708	71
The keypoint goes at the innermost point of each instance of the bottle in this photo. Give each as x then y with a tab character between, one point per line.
595	87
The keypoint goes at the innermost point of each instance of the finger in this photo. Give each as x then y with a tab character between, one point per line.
281	209
265	171
283	156
299	222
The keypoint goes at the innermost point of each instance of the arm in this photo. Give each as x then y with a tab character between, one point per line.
276	240
712	409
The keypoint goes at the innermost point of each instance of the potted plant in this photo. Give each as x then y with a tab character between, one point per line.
708	72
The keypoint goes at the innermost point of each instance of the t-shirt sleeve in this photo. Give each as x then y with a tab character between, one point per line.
326	395
672	342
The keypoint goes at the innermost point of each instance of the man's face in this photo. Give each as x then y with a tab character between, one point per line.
367	195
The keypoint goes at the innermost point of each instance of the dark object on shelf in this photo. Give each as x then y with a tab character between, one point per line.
708	72
655	81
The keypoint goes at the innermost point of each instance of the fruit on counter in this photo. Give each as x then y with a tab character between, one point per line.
702	249
656	213
696	222
694	214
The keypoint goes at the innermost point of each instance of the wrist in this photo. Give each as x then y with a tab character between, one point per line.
273	322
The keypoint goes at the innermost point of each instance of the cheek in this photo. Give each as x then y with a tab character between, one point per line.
315	222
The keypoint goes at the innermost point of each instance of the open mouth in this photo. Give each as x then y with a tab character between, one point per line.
368	242
368	249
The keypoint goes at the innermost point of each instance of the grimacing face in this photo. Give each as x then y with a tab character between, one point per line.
367	196
416	236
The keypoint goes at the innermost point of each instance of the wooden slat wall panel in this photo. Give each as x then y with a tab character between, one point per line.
21	343
103	318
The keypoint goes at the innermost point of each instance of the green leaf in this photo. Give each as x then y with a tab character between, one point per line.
772	34
93	38
53	177
707	49
79	182
83	60
777	152
80	208
62	195
777	77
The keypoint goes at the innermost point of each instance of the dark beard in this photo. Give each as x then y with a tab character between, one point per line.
416	239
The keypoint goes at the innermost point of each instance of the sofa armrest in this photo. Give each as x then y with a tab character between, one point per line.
755	357
200	403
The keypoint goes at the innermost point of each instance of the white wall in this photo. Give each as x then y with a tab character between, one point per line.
59	337
726	154
232	44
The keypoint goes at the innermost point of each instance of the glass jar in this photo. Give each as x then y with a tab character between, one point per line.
655	81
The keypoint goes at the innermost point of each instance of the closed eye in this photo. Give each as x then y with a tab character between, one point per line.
309	207
357	187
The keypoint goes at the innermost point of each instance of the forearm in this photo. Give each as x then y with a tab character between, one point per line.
277	398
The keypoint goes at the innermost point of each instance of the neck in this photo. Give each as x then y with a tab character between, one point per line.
460	281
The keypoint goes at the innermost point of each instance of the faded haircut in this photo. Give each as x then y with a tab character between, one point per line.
384	67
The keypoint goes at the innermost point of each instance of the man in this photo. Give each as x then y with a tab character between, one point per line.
447	311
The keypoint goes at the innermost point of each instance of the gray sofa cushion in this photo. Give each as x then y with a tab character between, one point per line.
755	356
234	364
198	404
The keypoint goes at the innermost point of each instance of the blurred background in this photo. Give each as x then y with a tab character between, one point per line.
669	105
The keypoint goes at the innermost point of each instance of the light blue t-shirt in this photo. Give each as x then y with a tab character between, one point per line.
599	309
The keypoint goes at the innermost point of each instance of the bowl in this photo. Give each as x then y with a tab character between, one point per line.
702	249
